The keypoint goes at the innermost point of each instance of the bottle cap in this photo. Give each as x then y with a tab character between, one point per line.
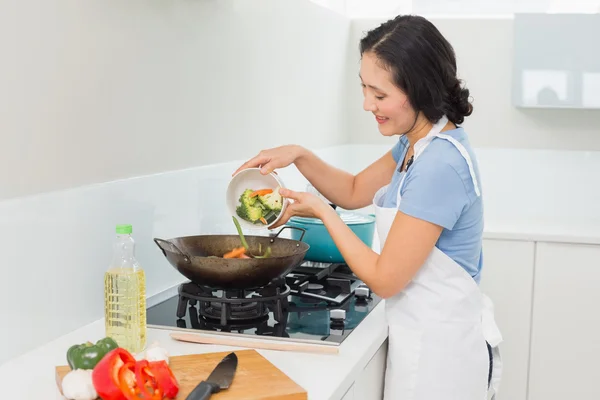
124	229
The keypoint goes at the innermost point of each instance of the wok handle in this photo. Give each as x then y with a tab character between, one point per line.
181	253
289	227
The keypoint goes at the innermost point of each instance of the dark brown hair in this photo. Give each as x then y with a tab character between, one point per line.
423	65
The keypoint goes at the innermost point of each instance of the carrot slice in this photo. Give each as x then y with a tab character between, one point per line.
261	192
264	221
235	253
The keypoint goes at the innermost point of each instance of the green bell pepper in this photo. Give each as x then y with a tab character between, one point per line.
87	355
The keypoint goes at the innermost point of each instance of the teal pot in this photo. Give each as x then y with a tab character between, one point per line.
322	247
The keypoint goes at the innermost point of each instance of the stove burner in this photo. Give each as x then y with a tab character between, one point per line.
315	282
237	311
230	308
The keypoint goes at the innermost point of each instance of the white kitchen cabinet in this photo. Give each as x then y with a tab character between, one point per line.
369	384
565	345
507	278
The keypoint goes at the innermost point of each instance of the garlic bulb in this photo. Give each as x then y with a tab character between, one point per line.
78	385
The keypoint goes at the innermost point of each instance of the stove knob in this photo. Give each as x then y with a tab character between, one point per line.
337	315
336	331
362	292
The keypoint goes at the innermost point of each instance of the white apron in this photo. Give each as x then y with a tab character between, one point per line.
442	332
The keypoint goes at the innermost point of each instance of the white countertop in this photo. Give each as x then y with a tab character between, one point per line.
573	231
323	376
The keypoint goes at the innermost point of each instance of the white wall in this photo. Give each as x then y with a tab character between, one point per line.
100	90
484	55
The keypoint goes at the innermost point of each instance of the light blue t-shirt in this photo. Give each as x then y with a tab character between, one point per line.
438	188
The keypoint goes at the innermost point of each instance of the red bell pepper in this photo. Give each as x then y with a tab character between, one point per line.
127	381
105	375
147	382
165	378
118	376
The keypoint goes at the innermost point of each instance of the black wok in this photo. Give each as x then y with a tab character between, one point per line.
190	256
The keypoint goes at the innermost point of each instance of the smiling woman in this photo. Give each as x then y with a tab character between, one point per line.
429	213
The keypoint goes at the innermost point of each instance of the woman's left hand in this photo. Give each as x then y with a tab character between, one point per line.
302	205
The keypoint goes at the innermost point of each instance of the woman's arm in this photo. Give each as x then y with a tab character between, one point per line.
342	188
408	245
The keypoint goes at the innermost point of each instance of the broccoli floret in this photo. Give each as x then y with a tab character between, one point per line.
249	209
249	213
246	200
272	201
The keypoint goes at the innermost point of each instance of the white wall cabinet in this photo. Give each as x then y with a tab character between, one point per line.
507	278
565	345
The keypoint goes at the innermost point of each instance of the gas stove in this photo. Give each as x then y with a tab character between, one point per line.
316	303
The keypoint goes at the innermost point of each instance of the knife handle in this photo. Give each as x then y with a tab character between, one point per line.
203	391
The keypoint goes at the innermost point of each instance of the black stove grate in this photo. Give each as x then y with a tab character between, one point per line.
234	307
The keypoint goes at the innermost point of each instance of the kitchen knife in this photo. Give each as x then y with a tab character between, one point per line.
219	379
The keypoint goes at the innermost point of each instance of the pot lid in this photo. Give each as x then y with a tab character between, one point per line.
349	218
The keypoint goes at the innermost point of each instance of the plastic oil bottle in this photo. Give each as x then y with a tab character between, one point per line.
125	294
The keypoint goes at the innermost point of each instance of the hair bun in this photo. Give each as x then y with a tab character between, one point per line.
459	104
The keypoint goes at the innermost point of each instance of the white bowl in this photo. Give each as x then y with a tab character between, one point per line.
251	178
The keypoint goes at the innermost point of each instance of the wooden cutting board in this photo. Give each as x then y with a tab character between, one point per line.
256	378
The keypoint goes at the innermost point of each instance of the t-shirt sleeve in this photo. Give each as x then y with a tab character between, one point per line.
436	193
398	150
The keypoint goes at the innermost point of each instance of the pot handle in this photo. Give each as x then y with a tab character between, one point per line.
289	227
181	253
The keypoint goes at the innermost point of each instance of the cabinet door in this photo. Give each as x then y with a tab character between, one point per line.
507	278
566	323
369	384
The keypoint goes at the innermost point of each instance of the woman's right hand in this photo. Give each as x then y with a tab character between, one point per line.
272	159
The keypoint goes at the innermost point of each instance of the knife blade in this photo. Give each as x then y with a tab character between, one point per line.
219	379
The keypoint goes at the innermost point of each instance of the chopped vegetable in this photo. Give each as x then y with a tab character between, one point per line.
165	378
266	255
250	208
126	381
107	377
272	201
146	382
119	376
260	206
87	355
270	217
261	192
78	385
245	243
235	253
239	230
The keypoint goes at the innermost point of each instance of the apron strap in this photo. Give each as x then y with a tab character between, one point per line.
420	146
466	156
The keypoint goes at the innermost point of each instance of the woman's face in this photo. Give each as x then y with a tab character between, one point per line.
384	99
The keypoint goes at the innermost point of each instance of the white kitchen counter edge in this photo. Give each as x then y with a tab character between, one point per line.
542	237
32	375
538	231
